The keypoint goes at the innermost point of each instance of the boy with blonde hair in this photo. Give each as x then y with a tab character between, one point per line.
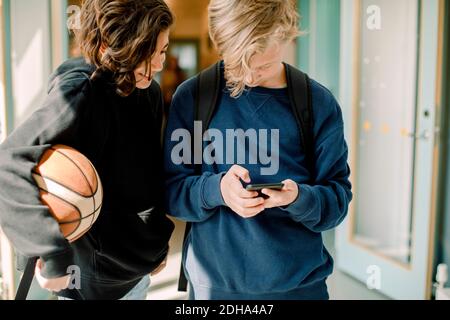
245	245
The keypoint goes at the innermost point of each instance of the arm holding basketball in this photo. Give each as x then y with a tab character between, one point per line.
24	219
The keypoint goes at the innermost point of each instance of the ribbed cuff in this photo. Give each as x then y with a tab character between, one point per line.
305	203
56	266
212	196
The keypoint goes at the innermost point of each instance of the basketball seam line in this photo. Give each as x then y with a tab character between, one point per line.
62	184
64	223
73	205
87	181
78	167
88	216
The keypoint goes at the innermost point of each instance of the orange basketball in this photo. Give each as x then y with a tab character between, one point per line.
71	188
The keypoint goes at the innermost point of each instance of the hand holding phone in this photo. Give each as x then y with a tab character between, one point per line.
281	197
241	201
260	187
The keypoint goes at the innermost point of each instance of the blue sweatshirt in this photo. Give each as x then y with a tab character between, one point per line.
281	249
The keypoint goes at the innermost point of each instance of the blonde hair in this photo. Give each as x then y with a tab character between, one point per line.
241	28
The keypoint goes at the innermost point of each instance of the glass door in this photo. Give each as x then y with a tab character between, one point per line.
389	87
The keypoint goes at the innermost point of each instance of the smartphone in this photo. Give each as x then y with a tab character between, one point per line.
259	187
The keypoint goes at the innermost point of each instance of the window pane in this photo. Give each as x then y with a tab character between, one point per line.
387	106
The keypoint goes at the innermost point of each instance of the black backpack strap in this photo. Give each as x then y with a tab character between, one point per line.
208	91
27	279
301	102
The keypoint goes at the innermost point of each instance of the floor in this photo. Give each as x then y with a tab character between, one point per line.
341	286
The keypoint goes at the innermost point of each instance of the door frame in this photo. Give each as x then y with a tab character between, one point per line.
6	251
60	32
318	52
439	166
6	73
349	96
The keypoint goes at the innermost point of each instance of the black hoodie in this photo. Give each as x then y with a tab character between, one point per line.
122	138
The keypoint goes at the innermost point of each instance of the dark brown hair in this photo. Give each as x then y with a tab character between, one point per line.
118	35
